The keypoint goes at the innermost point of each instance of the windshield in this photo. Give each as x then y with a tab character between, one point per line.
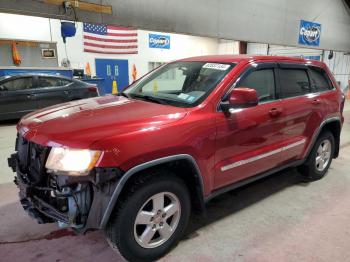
184	84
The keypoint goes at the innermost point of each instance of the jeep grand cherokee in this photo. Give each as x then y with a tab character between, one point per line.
135	165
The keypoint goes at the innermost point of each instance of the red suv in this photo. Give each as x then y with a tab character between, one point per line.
136	164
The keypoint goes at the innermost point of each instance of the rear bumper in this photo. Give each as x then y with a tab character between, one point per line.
12	162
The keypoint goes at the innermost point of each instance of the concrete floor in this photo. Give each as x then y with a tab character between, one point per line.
276	219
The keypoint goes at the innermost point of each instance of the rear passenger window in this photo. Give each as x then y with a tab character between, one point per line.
64	82
294	82
320	79
263	81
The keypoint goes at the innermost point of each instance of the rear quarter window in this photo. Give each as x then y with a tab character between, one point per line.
320	79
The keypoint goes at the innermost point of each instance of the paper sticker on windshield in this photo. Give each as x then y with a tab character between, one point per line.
183	96
216	66
191	98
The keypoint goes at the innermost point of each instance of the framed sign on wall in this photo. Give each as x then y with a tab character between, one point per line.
48	53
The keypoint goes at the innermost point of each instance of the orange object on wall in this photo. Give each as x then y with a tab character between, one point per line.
87	69
134	73
17	60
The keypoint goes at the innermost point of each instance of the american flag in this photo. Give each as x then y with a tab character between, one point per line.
108	39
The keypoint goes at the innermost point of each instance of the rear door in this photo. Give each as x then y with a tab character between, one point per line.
17	97
302	109
249	140
326	95
52	90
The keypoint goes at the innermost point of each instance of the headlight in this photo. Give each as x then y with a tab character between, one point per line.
75	162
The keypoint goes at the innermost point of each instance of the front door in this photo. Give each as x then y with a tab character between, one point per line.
110	70
250	140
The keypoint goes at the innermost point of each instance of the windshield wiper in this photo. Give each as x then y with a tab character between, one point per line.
123	94
149	98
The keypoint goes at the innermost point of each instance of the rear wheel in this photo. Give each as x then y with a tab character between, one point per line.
320	158
151	218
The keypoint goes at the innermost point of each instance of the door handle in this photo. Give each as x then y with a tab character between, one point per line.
30	96
66	92
275	112
316	101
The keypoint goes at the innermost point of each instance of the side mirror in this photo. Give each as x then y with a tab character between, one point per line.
241	97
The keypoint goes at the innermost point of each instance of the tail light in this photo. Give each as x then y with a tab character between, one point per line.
92	89
342	103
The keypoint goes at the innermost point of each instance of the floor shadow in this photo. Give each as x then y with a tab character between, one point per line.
9	122
238	199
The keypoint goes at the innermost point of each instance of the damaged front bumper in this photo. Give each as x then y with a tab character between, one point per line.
77	202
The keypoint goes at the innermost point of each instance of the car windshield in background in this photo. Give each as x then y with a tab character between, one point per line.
4	77
182	84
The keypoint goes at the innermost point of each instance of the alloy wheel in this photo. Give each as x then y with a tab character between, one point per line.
323	155
157	220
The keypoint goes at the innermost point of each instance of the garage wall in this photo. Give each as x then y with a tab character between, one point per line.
293	51
24	27
265	49
266	21
228	47
29	55
181	46
257	49
339	65
36	28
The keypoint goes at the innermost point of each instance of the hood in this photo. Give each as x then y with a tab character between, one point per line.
80	123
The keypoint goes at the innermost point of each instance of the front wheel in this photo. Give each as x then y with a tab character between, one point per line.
320	158
151	218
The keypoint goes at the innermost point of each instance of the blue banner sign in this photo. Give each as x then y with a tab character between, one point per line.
309	33
313	57
159	41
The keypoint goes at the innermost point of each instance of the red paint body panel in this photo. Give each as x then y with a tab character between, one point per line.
131	132
244	134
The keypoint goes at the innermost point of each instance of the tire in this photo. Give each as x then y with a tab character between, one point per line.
123	231
314	169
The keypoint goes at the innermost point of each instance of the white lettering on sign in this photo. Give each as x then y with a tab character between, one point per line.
305	32
159	41
216	66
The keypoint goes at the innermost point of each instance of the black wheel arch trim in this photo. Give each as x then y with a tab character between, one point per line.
319	130
118	189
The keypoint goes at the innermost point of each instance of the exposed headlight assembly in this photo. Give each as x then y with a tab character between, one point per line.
74	162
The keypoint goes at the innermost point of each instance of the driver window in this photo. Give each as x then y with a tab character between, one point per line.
263	81
17	84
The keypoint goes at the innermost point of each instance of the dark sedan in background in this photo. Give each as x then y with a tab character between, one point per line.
21	94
